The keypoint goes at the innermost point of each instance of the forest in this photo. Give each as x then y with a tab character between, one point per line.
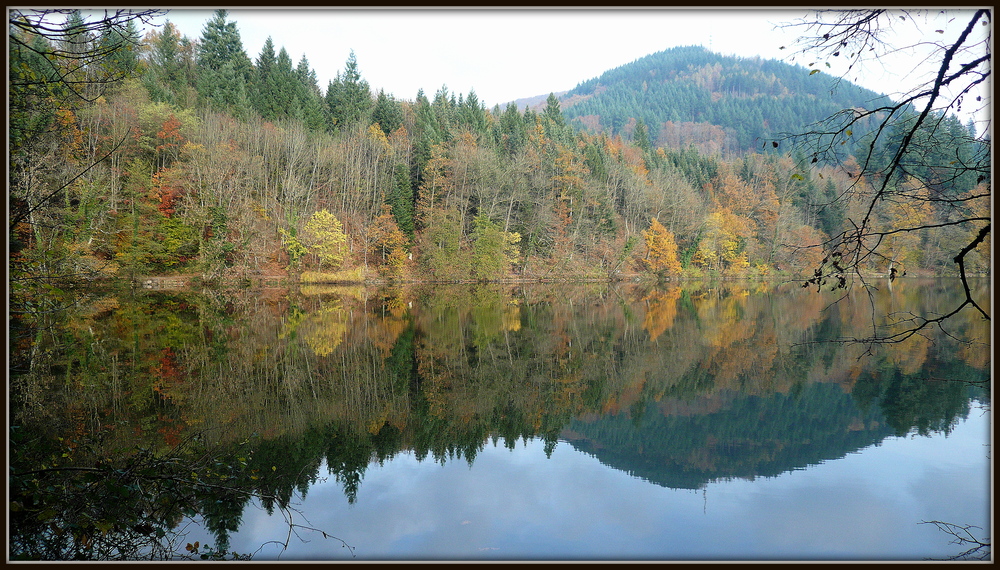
187	157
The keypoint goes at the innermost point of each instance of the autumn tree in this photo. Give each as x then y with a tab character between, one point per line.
388	242
911	139
325	236
661	250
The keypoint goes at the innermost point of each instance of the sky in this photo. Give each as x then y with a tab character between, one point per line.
501	54
507	54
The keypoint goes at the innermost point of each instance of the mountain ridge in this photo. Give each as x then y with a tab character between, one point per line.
689	95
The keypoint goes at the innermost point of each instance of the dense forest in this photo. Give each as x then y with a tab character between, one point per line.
690	96
197	160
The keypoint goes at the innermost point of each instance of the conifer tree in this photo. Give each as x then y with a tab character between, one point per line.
386	113
221	47
348	97
262	98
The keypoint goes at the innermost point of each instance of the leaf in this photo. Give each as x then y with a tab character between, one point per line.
813	71
939	31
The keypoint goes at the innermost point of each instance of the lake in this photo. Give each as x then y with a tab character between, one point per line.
627	421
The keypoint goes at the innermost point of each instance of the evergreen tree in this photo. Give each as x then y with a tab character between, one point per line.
262	98
348	97
426	135
165	74
221	44
401	201
473	114
282	83
641	136
555	124
387	113
116	43
223	66
509	130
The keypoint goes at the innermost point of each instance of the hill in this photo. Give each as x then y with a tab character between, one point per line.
689	95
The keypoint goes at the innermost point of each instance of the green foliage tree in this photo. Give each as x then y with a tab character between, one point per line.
264	99
494	251
224	69
386	113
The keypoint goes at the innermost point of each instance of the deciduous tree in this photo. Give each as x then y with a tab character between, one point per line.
661	249
325	236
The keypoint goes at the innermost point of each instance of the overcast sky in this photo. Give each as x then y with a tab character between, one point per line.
503	54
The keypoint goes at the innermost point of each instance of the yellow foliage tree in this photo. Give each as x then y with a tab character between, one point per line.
661	255
723	241
388	241
325	236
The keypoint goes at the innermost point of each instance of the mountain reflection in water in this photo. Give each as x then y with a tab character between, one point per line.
681	386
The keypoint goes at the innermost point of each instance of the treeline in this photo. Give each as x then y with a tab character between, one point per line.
209	163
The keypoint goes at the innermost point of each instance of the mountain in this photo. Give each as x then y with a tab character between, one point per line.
689	95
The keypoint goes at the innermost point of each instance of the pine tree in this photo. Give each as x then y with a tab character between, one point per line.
387	113
262	98
348	97
223	66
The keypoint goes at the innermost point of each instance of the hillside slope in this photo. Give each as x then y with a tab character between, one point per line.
689	95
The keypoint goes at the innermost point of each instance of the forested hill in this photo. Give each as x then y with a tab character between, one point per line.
689	95
188	156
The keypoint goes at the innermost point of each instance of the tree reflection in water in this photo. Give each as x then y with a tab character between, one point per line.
135	414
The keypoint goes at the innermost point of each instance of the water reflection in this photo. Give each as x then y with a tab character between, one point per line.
681	386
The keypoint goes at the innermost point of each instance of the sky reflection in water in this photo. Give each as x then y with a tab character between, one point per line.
517	504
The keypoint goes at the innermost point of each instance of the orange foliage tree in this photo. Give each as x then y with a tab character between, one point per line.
661	249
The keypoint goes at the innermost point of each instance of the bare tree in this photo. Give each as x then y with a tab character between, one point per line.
911	150
964	535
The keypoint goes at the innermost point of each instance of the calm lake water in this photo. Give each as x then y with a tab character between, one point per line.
477	422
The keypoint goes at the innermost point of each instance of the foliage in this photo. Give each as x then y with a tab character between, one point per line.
205	161
324	235
493	250
661	249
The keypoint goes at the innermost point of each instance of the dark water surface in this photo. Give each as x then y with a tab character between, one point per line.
476	422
